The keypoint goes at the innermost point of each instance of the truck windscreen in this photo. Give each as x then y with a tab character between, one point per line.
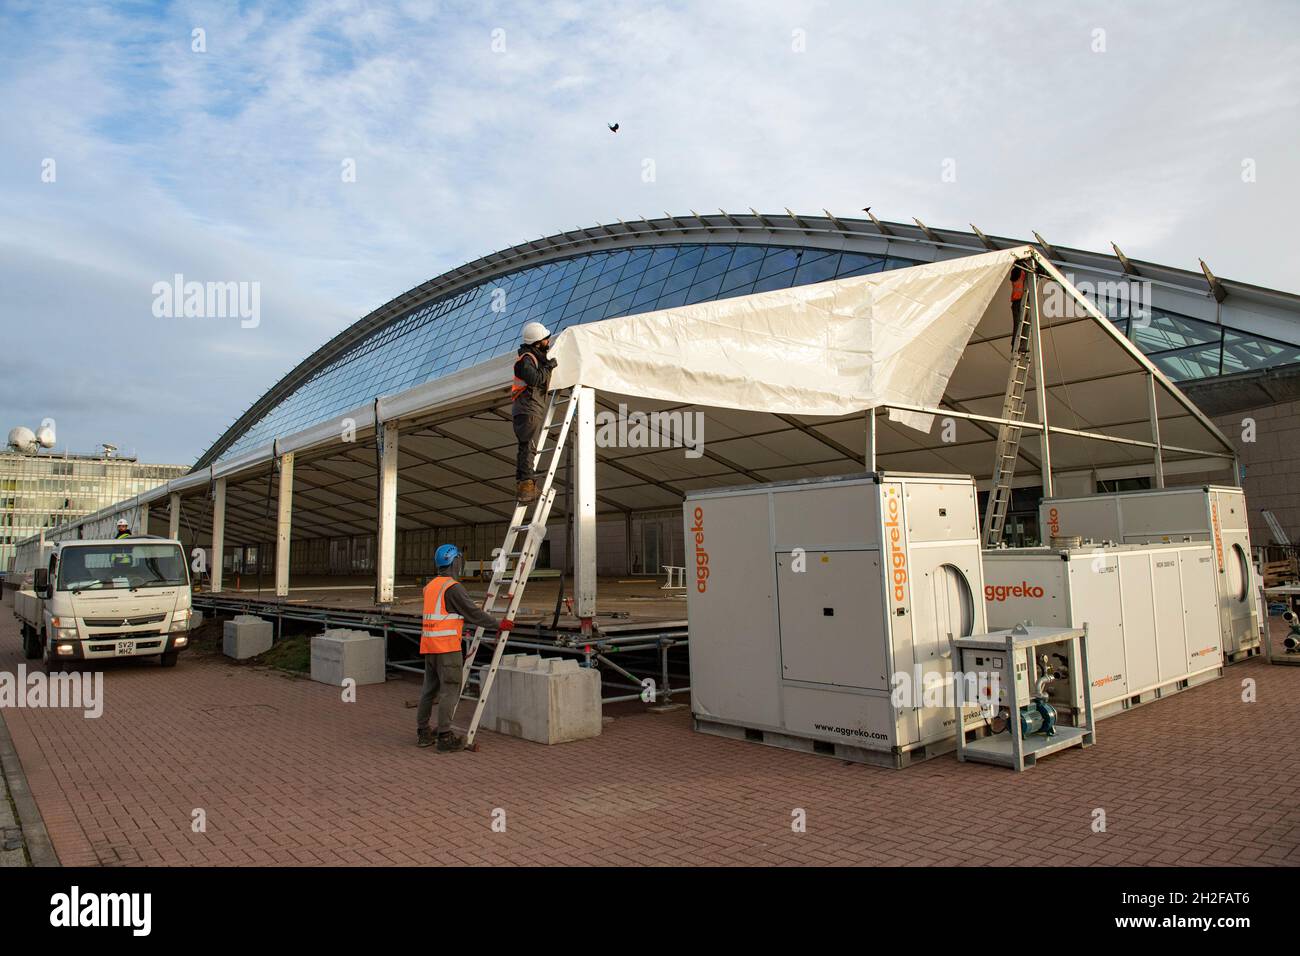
124	565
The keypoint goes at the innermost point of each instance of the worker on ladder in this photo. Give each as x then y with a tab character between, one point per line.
447	606
528	404
1017	295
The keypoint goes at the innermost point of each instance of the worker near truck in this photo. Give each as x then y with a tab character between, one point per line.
528	404
122	559
447	608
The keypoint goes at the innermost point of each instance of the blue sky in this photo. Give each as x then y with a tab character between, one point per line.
225	165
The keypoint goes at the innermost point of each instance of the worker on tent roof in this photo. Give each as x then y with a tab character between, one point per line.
528	393
447	606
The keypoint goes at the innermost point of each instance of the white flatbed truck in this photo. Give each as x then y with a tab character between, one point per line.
89	600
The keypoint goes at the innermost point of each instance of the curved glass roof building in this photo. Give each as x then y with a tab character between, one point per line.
1194	326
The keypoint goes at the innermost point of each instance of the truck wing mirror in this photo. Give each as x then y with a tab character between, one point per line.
41	582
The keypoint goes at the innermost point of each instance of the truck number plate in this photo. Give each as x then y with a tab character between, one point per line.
125	648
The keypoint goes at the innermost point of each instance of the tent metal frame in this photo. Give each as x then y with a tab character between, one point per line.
476	391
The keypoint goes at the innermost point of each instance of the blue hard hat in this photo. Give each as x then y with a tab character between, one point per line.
445	555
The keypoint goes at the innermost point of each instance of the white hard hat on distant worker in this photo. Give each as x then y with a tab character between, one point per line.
121	522
535	332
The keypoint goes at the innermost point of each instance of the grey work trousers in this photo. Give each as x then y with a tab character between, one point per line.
441	684
528	429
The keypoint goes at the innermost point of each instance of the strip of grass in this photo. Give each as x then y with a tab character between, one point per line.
290	654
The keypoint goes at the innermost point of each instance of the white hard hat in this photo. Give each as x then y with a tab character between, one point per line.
535	332
121	521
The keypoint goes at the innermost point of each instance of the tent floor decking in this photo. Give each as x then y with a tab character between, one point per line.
623	603
637	627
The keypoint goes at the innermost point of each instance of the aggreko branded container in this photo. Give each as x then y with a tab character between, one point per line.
1152	612
1213	513
809	598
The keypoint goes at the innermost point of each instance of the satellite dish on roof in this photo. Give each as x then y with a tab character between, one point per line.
22	439
45	436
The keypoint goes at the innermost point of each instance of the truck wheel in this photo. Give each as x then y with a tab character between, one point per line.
169	659
31	643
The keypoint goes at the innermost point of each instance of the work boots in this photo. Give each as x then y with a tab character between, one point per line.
450	743
527	491
425	737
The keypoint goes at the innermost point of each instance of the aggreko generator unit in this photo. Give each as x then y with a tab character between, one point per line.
1213	513
1152	612
807	598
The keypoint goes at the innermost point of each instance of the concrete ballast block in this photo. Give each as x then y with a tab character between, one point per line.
549	701
339	654
246	636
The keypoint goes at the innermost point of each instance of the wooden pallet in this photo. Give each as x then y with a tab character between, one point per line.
1280	572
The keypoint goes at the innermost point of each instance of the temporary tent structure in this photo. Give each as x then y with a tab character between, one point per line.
780	380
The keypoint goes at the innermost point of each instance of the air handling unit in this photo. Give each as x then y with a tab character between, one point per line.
805	599
1152	613
1211	513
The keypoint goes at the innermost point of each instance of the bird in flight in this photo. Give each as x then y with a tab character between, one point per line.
613	127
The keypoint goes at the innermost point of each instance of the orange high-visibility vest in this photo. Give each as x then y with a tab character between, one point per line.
517	384
1018	287
441	632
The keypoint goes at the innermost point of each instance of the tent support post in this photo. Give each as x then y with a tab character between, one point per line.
871	440
627	542
1158	459
218	533
283	522
386	532
584	510
174	516
1040	388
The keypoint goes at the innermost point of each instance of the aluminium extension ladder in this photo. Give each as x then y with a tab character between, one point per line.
1013	410
534	529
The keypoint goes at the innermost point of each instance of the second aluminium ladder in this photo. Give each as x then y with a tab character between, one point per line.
1013	411
565	403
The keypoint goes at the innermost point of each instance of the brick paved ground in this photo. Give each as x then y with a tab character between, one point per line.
10	855
287	773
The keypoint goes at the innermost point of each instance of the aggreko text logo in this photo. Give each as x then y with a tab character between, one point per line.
1000	592
701	556
897	553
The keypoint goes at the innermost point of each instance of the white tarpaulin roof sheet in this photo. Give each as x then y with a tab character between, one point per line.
832	348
